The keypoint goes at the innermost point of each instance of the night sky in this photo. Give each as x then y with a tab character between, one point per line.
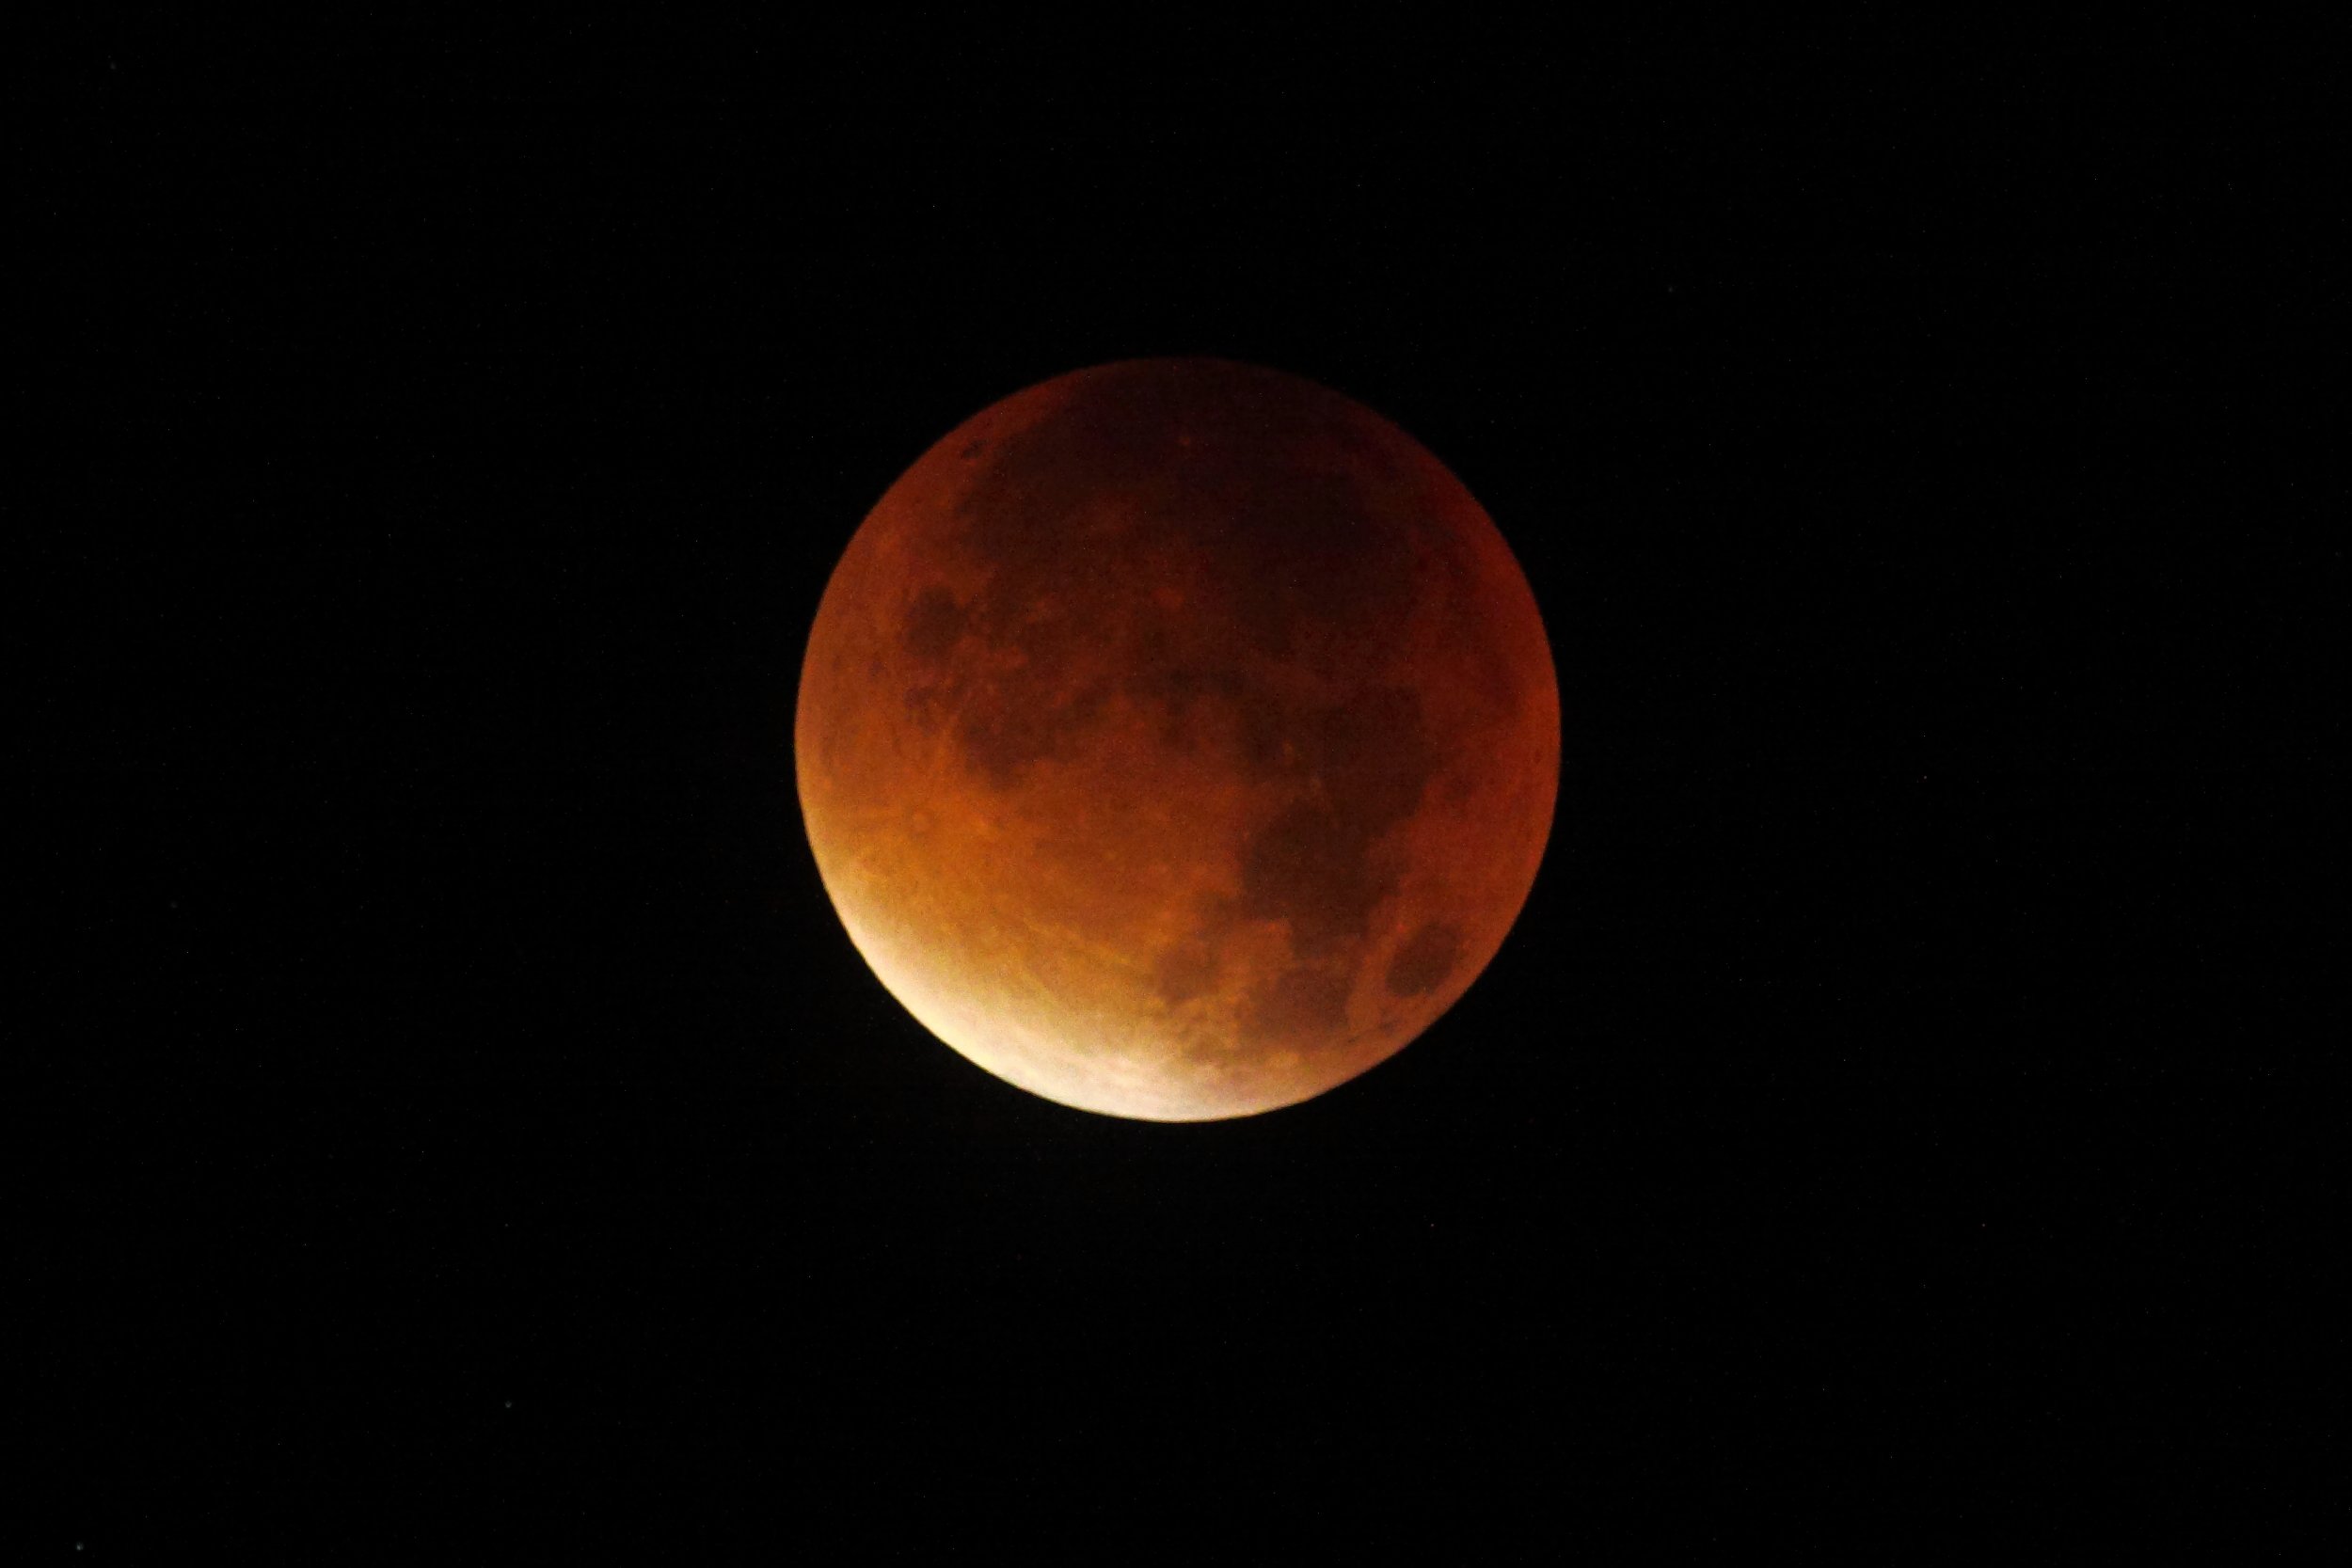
477	1131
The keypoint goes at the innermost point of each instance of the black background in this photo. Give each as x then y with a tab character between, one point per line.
478	1128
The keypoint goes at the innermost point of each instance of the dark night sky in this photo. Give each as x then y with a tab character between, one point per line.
477	1127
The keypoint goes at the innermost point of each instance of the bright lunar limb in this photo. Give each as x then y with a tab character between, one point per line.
1178	739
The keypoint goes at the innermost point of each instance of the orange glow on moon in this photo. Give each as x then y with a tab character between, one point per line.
1177	739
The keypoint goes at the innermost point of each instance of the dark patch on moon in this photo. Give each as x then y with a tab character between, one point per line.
1428	956
1305	554
1178	690
1309	551
1280	491
923	707
1000	738
1300	1007
1362	768
1372	754
1312	867
1185	971
934	625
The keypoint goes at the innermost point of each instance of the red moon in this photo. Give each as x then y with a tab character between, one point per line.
1178	739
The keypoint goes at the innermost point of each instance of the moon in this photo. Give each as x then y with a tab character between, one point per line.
1177	739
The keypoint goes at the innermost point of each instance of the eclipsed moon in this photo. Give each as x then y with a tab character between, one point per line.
1178	739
